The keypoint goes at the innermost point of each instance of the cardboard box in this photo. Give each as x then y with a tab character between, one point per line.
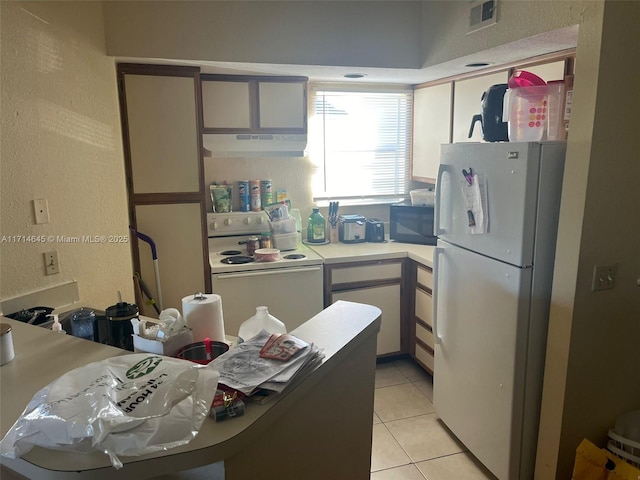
168	347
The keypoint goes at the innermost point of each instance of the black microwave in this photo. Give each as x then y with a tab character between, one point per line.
411	223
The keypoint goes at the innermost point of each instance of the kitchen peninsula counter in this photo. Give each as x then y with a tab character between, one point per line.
326	415
358	252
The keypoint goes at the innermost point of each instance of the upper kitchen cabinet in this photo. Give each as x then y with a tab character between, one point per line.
548	71
247	104
466	104
431	128
162	133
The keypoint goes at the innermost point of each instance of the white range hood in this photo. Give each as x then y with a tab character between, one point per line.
255	145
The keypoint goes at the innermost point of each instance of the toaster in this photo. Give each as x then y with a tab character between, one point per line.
352	228
375	230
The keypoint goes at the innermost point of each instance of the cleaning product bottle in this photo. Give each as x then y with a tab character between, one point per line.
262	320
57	326
316	227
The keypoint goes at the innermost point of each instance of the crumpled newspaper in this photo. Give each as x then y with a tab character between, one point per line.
126	405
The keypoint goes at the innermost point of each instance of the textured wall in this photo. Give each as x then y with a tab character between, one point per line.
61	141
361	33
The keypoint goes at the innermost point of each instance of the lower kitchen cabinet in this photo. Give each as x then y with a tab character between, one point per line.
421	340
378	283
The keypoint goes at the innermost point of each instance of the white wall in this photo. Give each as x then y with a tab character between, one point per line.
61	141
592	373
445	24
370	33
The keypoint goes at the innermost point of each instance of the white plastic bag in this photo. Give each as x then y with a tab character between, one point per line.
127	405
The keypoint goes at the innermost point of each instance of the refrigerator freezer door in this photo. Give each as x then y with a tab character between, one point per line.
481	322
508	173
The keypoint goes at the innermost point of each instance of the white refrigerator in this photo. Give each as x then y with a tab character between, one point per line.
496	218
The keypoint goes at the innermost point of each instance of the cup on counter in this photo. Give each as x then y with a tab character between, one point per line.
83	324
6	344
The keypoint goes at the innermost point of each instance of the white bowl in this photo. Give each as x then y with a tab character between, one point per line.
267	254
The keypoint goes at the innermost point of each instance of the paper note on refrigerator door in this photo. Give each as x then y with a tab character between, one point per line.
475	203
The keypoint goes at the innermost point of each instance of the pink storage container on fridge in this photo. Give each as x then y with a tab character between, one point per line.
528	112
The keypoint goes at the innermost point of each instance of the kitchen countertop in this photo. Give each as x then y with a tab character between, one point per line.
345	331
358	252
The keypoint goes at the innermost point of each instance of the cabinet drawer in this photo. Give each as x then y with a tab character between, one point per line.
425	277
424	335
423	308
425	357
366	273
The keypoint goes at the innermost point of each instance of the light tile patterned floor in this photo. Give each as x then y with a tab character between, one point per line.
409	441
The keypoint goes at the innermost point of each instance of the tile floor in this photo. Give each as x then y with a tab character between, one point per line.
409	441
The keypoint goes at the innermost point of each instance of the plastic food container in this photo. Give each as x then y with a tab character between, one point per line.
285	241
202	352
267	254
535	113
528	112
522	78
422	197
283	226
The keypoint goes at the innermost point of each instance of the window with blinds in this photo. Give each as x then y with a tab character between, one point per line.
361	143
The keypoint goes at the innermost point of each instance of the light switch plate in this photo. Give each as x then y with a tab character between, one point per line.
41	210
604	277
51	264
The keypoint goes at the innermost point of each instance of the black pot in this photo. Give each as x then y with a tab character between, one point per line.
493	128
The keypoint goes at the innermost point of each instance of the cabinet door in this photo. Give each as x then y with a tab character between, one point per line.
176	230
431	128
162	133
281	105
226	104
387	299
548	71
466	103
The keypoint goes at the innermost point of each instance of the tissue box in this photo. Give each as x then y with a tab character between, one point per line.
168	347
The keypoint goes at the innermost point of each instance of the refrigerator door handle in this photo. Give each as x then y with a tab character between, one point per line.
437	265
437	230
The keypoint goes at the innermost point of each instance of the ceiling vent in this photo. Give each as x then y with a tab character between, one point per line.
482	14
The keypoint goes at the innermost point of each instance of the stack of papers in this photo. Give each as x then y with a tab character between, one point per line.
244	369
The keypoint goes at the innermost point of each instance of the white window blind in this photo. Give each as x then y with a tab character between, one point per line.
361	143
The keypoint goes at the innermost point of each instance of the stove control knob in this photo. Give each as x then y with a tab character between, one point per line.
247	221
213	226
228	221
260	220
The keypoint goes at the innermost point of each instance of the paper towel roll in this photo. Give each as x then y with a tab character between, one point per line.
203	314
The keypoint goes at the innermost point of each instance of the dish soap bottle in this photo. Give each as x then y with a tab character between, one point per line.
316	227
262	320
56	326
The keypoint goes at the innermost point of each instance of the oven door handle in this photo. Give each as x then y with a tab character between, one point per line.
260	273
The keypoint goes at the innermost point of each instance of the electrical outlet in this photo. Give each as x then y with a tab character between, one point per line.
41	210
604	277
51	264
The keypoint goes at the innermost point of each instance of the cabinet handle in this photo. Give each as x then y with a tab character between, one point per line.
437	230
275	271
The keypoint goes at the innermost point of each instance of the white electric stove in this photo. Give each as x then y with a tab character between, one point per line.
292	287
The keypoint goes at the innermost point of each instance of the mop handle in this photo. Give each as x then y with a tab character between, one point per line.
154	255
148	239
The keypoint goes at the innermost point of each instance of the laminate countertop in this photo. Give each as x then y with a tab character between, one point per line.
358	252
305	419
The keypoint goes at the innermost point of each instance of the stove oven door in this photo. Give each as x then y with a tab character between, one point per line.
293	294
